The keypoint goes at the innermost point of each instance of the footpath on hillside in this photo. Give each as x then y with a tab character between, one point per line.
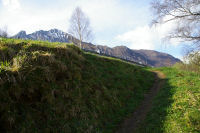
132	123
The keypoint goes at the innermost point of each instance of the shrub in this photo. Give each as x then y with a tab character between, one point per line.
191	63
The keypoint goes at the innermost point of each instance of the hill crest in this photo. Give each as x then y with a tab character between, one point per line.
145	57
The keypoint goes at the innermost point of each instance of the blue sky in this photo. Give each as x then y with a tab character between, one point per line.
114	22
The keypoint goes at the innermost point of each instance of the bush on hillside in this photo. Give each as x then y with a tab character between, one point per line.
191	63
3	33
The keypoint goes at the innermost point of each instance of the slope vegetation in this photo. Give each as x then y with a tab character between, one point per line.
176	109
56	87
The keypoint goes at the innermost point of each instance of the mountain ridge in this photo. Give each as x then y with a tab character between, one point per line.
146	57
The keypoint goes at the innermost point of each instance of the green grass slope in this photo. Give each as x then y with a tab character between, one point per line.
177	106
56	87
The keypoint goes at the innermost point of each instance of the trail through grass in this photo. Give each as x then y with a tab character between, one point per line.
177	107
132	123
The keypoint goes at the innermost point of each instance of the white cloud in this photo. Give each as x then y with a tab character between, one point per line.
106	15
114	22
11	5
147	37
111	14
19	17
139	38
30	23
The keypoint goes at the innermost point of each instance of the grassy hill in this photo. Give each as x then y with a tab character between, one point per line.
59	88
177	106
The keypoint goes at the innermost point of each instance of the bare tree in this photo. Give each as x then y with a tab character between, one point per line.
80	26
3	32
186	15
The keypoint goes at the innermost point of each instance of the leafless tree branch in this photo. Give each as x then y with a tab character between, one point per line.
185	13
80	26
3	32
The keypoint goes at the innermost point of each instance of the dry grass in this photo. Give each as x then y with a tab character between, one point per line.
188	67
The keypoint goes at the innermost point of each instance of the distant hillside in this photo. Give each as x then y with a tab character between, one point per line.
158	59
56	87
146	57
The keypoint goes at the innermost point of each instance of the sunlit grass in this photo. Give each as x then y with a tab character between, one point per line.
177	107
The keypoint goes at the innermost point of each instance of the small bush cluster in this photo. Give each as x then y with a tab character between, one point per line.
191	63
3	32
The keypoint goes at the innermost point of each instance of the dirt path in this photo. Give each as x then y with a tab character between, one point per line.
132	123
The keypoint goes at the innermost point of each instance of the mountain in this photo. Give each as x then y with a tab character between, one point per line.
53	35
145	57
158	59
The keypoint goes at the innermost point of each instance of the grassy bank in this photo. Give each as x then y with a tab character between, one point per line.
56	87
177	107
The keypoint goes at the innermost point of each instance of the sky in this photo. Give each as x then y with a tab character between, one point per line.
114	22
